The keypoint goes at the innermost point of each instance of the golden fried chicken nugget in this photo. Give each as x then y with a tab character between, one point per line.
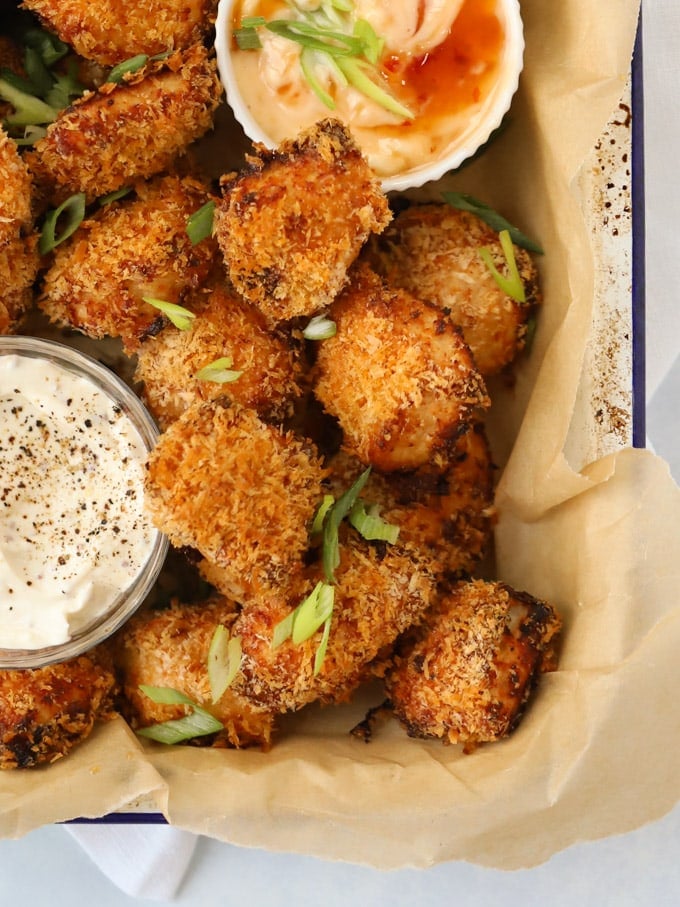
447	511
241	492
465	674
432	250
295	219
169	648
19	265
127	250
397	375
380	590
172	365
111	31
128	131
45	712
16	185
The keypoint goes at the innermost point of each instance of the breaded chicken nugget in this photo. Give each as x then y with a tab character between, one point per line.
111	31
432	250
45	712
446	511
295	219
241	492
172	364
464	675
128	250
169	648
397	375
379	591
15	191
19	264
133	130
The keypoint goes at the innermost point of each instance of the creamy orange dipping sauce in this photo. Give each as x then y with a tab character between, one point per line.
444	71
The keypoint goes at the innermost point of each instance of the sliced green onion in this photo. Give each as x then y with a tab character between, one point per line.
355	72
31	135
247	38
321	327
200	224
73	210
312	612
331	546
114	196
224	661
320	516
316	37
198	723
253	21
28	110
371	526
372	44
307	60
133	64
491	218
283	630
219	371
512	285
182	318
323	645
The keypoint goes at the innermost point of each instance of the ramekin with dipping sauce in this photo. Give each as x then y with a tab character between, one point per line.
454	65
78	554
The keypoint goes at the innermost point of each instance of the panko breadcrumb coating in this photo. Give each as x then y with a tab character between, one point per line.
397	375
124	132
19	264
127	250
168	364
464	675
45	712
432	250
15	191
447	511
110	31
295	219
380	590
169	648
241	492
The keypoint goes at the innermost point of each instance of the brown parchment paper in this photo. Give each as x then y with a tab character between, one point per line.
596	752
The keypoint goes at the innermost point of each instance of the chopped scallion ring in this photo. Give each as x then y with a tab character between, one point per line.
200	224
371	526
320	516
491	218
302	623
114	196
321	327
323	645
224	661
283	630
198	723
133	64
331	547
73	212
512	284
182	318
219	371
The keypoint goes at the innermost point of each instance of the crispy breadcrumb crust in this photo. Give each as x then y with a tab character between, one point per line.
379	592
15	191
45	712
432	250
241	492
133	130
19	265
293	221
169	648
465	674
127	250
397	375
111	31
225	326
445	510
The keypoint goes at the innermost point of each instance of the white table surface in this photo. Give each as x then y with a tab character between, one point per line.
638	868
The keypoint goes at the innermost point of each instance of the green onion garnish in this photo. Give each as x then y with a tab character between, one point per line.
350	51
224	661
200	224
320	516
114	196
302	623
28	109
219	371
371	526
182	318
323	645
321	327
198	723
133	64
336	514
491	218
50	48
72	211
512	285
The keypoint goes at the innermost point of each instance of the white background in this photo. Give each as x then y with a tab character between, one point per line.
52	866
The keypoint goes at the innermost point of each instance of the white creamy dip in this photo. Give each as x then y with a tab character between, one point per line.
73	533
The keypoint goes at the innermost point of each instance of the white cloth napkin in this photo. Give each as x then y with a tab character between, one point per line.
145	861
150	861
